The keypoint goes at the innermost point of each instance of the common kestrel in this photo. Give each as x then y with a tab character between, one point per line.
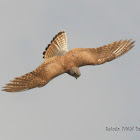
59	60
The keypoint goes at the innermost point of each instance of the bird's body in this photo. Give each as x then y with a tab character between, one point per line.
59	60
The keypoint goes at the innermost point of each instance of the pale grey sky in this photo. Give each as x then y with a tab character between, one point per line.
67	109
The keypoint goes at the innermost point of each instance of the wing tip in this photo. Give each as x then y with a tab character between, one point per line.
123	47
9	88
5	88
131	43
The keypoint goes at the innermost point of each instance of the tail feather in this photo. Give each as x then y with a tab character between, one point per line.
58	46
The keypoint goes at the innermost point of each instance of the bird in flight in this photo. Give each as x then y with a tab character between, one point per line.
59	60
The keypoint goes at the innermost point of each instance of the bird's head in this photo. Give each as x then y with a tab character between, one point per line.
75	72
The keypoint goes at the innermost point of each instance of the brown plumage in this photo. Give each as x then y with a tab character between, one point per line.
59	60
58	46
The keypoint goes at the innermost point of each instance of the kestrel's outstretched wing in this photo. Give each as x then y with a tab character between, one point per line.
97	56
38	78
45	72
57	47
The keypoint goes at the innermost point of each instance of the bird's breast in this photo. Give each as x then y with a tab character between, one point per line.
67	61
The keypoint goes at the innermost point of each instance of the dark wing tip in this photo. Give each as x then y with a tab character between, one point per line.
5	88
123	47
131	43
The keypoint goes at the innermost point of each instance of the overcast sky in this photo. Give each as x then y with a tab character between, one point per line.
67	109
